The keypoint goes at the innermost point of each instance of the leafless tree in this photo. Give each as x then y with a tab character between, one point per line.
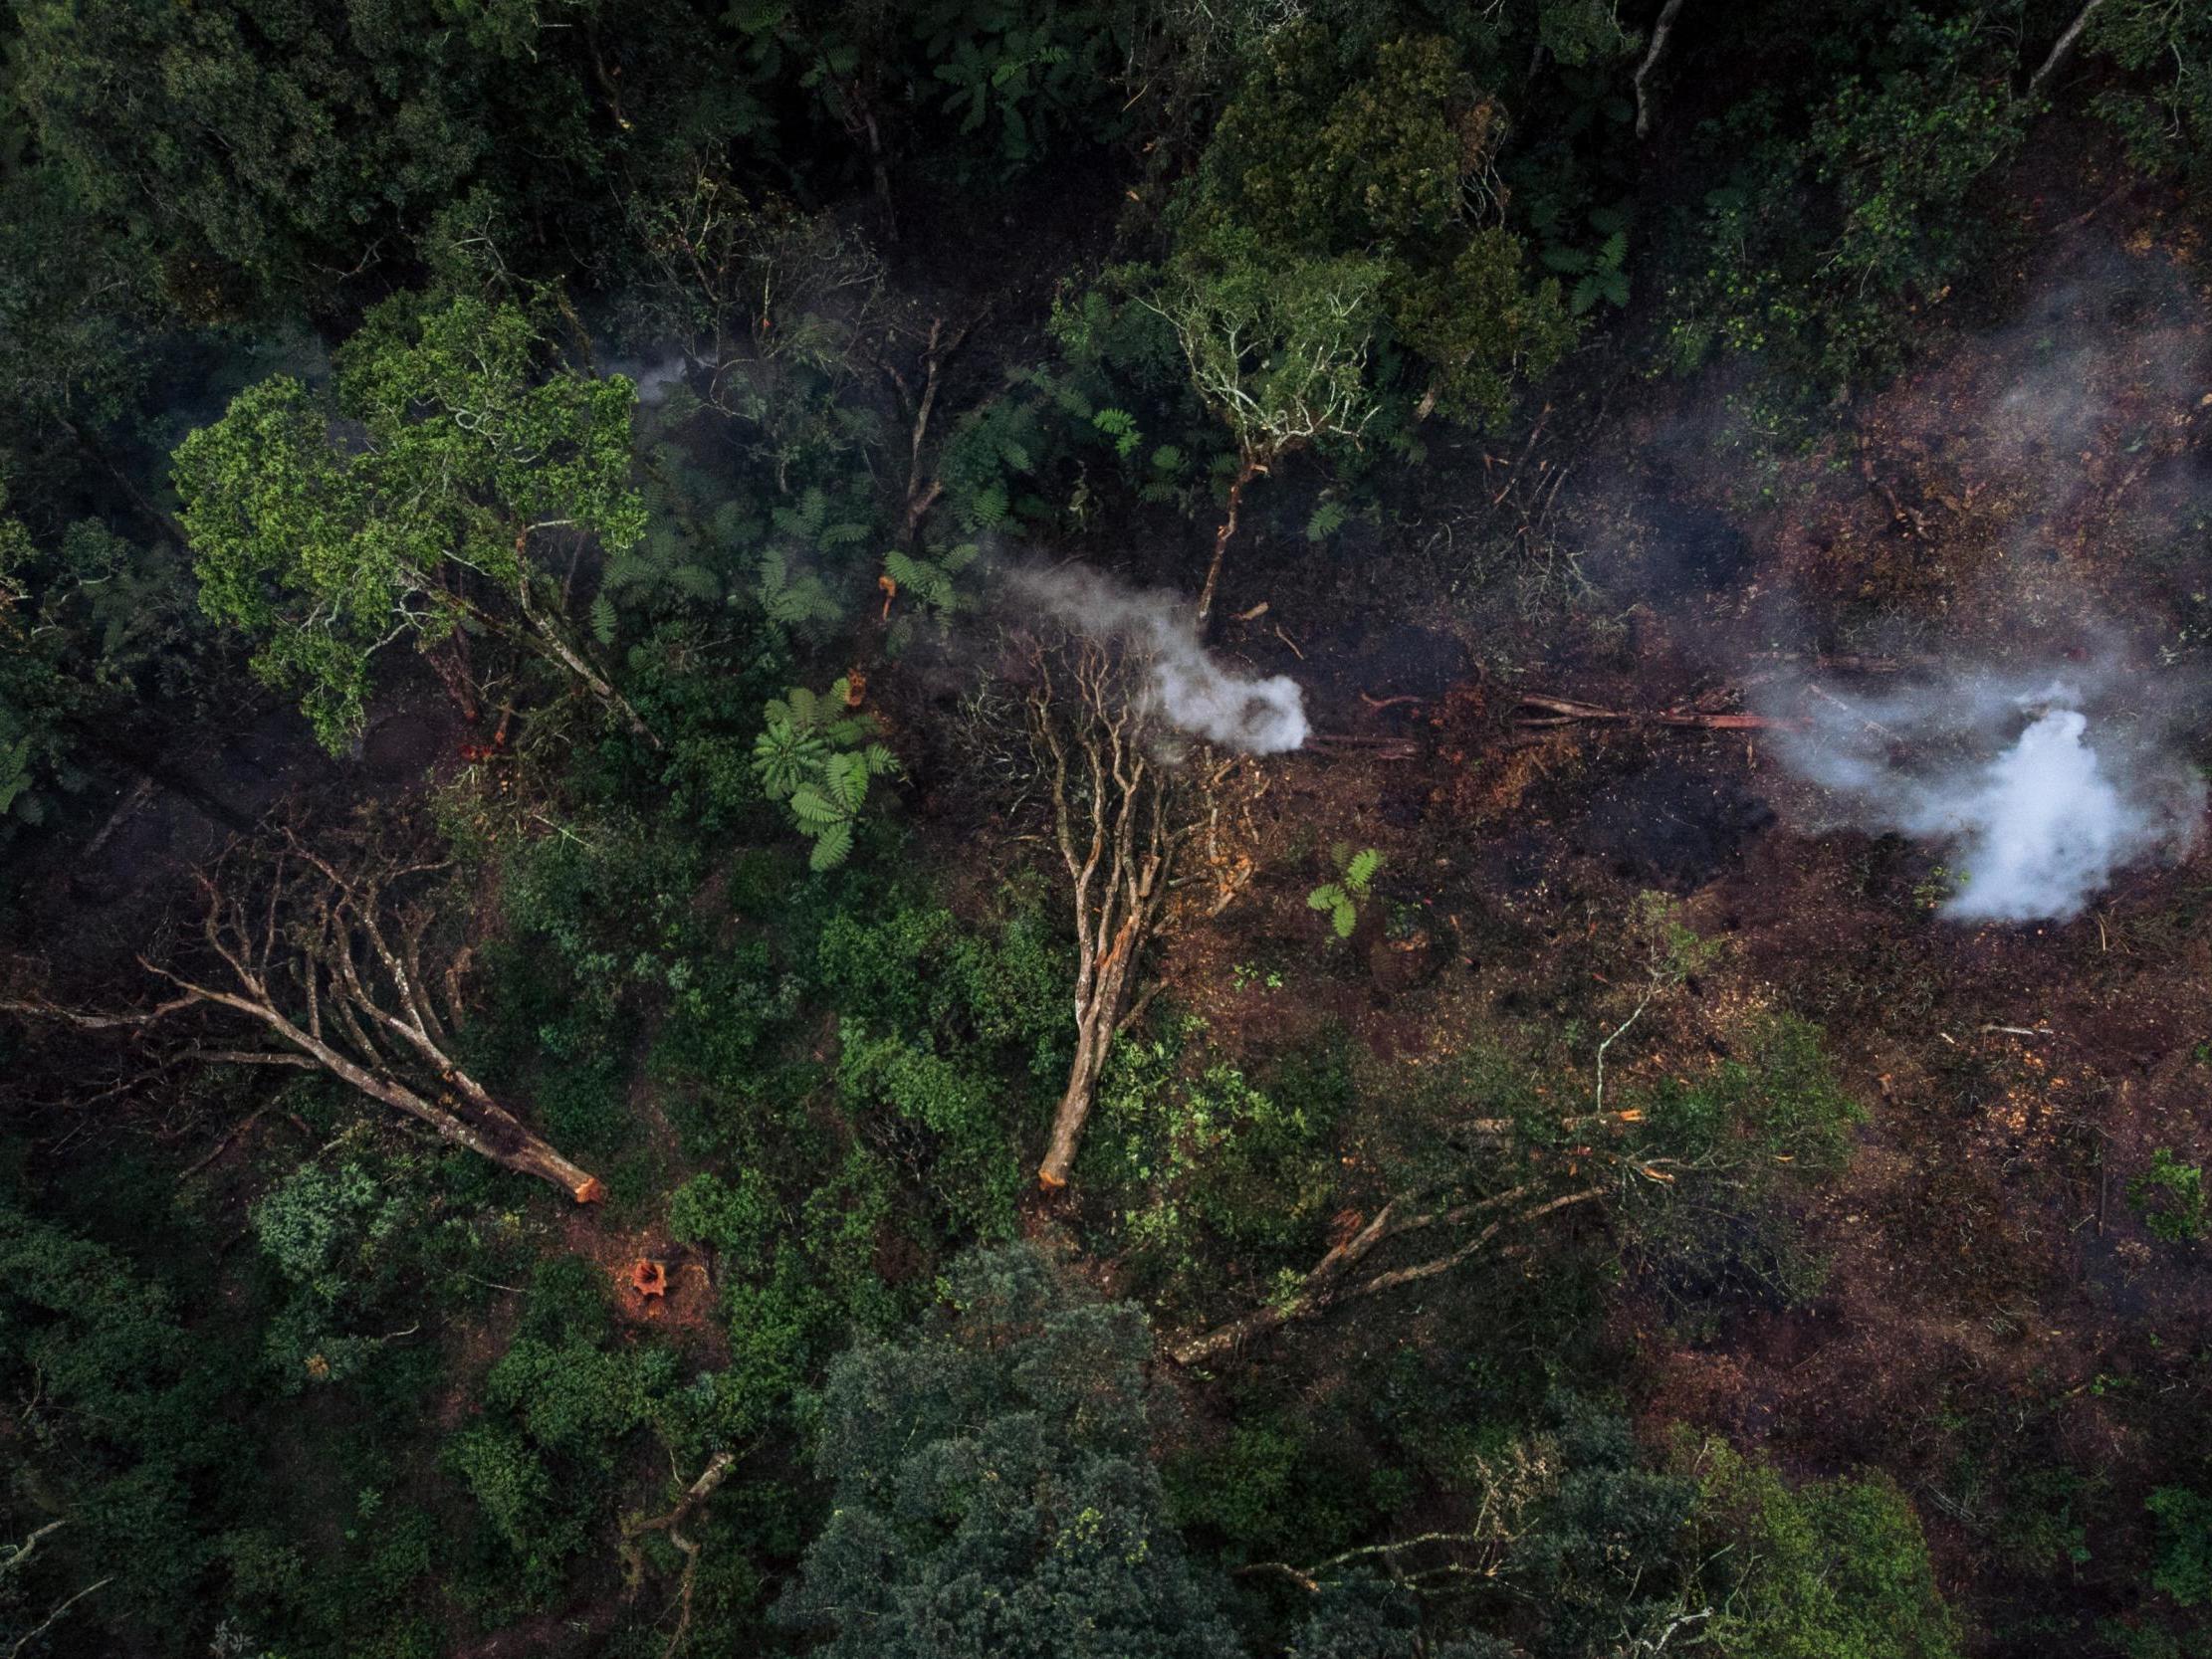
336	953
750	285
1115	825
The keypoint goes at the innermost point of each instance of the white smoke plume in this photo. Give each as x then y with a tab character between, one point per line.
653	377
1184	684
2038	790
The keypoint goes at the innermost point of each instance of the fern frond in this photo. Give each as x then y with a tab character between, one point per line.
695	581
845	782
831	848
812	808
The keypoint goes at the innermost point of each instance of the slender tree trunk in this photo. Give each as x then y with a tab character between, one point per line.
1660	33
2062	51
1098	1021
1250	469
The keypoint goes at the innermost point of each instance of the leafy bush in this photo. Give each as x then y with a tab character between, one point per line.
1835	1570
736	1220
1725	1154
340	1237
121	1426
2184	1565
991	1489
559	1402
1894	160
2170	1198
2165	118
1394	162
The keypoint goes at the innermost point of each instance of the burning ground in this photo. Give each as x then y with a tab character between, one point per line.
1960	831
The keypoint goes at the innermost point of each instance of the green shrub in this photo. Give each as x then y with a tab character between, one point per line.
2184	1569
1835	1570
2170	1198
541	1463
735	1220
1728	1154
1892	163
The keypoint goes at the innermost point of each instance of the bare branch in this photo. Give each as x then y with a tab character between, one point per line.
2061	50
1319	1289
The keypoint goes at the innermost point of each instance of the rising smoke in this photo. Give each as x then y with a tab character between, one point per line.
654	377
1184	684
2038	789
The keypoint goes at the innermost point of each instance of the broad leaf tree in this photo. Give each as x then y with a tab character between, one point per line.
445	483
992	1488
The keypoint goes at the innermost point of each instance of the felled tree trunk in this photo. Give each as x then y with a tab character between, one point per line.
469	1118
1250	468
325	953
1330	1282
1110	821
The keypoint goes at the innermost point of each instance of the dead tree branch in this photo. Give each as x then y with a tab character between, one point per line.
17	1555
673	1524
1111	825
1538	711
1310	1580
323	947
1325	1286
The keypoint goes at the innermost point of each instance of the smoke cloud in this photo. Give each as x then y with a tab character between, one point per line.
653	377
2038	789
1185	684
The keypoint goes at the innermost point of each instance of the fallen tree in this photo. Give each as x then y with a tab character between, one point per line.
1331	1281
1689	1182
333	952
1538	711
1110	801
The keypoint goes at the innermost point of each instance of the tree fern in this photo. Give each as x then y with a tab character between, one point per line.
931	580
1327	519
793	597
817	758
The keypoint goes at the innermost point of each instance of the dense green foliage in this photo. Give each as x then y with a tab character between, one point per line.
423	526
681	385
989	1486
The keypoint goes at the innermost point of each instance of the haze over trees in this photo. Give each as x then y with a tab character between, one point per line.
971	828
